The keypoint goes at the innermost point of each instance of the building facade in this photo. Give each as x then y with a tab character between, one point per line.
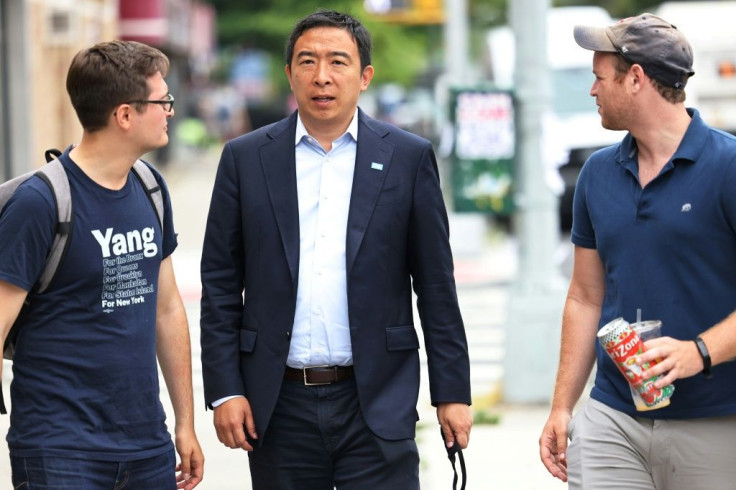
38	39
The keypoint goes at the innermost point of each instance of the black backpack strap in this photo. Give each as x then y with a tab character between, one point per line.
51	154
454	452
8	188
153	189
55	177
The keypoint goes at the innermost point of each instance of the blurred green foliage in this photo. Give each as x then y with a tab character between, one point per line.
401	53
617	8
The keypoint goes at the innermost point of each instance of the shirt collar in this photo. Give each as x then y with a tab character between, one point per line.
695	140
691	146
301	131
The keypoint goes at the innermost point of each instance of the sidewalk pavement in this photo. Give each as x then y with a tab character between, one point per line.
502	456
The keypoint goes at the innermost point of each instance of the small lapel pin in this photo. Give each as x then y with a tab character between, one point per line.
377	166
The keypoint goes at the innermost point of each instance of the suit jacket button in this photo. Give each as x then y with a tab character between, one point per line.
288	334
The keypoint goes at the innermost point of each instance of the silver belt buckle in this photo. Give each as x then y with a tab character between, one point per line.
307	383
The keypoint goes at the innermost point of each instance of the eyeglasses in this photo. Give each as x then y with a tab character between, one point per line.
167	102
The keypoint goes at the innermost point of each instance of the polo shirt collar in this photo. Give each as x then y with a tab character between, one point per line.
690	149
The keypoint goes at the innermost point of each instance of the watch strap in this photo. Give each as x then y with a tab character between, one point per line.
705	355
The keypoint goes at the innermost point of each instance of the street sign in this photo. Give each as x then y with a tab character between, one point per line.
483	150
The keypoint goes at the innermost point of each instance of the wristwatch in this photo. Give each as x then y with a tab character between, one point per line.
703	351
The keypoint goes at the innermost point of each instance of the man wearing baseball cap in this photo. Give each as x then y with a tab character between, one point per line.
654	229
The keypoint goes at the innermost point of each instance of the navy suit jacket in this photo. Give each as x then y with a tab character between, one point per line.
397	237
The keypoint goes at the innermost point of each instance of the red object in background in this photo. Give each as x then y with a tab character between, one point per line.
185	27
144	20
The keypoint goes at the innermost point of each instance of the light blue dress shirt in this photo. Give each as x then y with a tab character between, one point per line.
321	333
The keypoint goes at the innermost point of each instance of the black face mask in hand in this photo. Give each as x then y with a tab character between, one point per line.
451	452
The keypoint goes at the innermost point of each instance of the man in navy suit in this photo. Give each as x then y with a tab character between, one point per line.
318	229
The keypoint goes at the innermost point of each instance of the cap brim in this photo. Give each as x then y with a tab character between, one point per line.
593	38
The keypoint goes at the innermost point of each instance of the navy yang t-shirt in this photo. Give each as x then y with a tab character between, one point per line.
85	379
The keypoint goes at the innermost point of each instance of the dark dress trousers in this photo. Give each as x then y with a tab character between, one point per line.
397	237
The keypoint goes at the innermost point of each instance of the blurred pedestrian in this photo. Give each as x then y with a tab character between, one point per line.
654	228
319	226
86	412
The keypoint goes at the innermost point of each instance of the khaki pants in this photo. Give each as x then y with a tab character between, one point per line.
611	450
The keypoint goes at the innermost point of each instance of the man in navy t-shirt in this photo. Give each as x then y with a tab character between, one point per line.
654	228
85	411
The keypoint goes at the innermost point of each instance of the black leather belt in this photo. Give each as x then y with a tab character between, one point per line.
320	375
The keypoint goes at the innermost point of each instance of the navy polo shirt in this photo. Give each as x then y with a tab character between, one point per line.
669	249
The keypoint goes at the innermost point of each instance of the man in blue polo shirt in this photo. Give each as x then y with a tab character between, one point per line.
654	229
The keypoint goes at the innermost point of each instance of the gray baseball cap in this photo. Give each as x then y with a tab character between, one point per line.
650	41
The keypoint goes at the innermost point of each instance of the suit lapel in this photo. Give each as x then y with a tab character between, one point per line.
279	168
372	162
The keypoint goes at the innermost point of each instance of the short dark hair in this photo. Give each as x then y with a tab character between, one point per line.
109	74
670	94
330	18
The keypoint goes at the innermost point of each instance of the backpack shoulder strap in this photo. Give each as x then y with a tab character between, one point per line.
55	177
153	189
7	188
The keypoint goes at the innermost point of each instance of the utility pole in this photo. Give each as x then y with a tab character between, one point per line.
15	134
467	230
538	293
456	41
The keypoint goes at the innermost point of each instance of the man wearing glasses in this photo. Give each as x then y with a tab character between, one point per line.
167	102
86	412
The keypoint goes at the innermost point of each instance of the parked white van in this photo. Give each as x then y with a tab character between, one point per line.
709	26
